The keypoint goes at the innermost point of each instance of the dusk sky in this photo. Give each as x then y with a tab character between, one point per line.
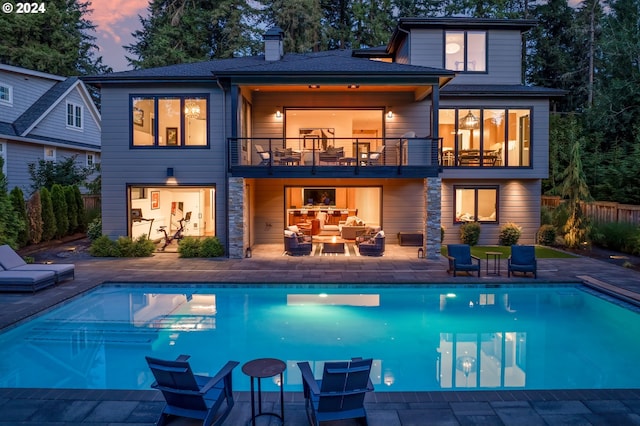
115	21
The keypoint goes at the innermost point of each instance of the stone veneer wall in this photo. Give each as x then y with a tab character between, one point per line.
237	222
433	220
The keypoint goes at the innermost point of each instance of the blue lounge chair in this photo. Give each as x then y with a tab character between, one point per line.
523	259
192	396
340	394
460	259
11	261
21	281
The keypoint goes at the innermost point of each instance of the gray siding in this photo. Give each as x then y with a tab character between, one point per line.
122	166
55	123
519	203
26	90
504	63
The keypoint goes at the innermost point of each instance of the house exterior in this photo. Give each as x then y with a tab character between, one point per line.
434	130
44	117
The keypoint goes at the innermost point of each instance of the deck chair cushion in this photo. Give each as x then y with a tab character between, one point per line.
10	260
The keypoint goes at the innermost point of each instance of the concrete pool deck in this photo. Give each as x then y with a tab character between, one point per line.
399	265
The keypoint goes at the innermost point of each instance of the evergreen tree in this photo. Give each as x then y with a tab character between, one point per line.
184	31
35	224
72	208
20	209
373	22
301	21
10	223
60	210
64	172
56	41
576	192
82	218
49	229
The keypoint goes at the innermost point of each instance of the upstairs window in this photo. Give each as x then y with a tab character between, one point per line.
74	116
6	94
169	121
466	51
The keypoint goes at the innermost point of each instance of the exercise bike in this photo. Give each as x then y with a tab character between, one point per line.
178	234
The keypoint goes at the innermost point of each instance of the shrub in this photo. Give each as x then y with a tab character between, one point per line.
72	209
103	246
196	247
509	234
34	214
48	217
470	233
60	210
211	247
547	235
618	236
20	208
82	216
560	217
441	234
546	215
94	230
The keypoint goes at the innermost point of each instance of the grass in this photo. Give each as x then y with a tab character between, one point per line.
542	252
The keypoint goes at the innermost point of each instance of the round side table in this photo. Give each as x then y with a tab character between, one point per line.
259	369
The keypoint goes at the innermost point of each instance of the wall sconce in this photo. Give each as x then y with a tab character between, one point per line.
169	172
278	114
389	113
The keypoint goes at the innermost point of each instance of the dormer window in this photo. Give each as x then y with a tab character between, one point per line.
466	51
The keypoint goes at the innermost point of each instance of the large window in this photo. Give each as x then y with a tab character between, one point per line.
485	137
466	51
169	121
476	204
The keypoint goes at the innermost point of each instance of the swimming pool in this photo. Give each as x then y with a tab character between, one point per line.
420	337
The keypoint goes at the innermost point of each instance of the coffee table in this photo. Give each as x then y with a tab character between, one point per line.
332	247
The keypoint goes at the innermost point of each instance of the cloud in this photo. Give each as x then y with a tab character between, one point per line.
108	15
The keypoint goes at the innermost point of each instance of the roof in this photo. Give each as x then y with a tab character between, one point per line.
497	90
332	63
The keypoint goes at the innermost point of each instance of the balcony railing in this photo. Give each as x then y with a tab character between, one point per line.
344	152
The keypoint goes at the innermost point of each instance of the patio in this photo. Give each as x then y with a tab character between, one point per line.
399	265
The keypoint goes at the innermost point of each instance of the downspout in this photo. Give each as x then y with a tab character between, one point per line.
226	161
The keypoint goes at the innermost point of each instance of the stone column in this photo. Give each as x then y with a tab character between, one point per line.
433	220
237	222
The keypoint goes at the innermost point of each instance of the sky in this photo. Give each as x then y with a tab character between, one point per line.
115	21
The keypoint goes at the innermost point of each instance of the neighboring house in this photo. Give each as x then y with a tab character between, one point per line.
434	130
44	117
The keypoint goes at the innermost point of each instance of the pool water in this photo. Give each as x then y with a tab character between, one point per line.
420	337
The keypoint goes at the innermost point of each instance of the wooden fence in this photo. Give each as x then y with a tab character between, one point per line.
91	202
602	211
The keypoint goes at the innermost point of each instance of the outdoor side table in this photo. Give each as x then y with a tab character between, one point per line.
495	256
259	369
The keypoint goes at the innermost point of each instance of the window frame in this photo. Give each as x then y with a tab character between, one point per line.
460	111
465	61
475	188
95	158
9	100
153	119
50	157
77	116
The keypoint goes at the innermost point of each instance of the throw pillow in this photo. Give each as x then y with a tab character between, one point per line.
288	233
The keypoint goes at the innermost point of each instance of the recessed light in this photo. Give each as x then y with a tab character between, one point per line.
314	86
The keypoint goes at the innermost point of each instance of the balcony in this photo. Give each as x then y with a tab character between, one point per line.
340	157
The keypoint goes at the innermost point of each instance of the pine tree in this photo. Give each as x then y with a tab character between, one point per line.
301	21
10	223
60	210
184	31
49	229
20	208
72	209
82	218
34	213
58	41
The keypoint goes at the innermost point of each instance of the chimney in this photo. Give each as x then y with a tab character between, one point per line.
273	44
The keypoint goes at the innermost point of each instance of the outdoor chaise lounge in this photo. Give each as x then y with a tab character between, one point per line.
192	396
522	259
460	259
25	281
340	394
11	261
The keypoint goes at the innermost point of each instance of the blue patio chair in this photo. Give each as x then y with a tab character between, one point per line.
340	394
460	259
522	259
192	396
